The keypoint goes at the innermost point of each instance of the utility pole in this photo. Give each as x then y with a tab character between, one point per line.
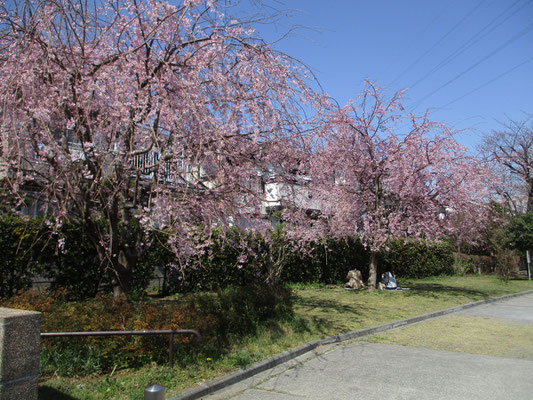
528	265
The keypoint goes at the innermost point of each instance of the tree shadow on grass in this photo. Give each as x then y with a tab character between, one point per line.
319	312
50	393
312	304
436	290
519	278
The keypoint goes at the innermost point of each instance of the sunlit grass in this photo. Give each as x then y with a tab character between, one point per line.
333	310
466	334
319	311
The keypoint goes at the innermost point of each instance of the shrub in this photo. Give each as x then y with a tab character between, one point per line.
100	314
462	266
507	263
327	262
219	317
342	256
239	310
74	267
22	241
29	247
473	263
220	267
67	259
417	259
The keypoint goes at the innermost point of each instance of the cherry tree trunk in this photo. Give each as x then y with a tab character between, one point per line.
529	204
119	269
372	271
121	275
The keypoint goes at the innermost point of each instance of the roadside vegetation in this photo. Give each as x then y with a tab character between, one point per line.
241	326
242	318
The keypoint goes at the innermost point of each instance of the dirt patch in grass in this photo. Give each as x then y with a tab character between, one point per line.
466	334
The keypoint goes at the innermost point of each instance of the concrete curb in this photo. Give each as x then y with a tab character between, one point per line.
261	366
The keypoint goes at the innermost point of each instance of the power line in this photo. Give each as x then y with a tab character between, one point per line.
418	34
438	41
497	50
473	40
489	82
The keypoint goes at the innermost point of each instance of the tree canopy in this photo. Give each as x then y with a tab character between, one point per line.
382	173
125	113
511	151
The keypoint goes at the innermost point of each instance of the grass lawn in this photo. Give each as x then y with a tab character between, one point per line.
465	334
334	310
319	311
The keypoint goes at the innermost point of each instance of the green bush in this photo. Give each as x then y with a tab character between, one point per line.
74	265
220	267
219	317
462	266
474	263
342	256
103	313
327	262
22	242
68	259
418	259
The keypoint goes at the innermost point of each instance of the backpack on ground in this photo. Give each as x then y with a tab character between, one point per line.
389	281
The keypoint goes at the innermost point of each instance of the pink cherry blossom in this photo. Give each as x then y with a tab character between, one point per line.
144	111
380	173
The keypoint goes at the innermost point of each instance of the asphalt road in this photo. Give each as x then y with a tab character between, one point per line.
378	371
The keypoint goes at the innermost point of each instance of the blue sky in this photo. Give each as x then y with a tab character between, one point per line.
469	62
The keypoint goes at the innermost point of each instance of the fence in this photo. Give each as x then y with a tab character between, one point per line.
131	333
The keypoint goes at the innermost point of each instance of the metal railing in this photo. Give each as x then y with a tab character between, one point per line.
170	332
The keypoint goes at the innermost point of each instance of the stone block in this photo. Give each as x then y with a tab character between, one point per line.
20	336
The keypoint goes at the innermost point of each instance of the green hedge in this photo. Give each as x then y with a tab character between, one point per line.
30	248
417	259
21	243
74	265
326	262
218	268
406	258
68	260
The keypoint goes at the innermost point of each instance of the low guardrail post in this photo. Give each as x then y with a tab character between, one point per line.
171	350
154	392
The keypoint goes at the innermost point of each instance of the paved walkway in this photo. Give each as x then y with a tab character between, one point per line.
517	309
378	371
